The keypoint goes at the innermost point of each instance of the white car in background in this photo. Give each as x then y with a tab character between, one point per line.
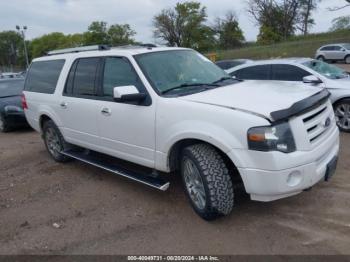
334	53
307	70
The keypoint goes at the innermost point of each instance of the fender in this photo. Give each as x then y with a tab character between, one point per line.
46	110
211	134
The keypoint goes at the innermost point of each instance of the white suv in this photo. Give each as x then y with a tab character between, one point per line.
171	110
334	52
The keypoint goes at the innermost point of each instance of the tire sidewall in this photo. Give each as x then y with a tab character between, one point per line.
321	58
347	59
50	125
208	208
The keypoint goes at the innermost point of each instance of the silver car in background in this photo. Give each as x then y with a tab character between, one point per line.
307	70
334	53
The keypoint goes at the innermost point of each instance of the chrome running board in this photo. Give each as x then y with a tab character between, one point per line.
143	178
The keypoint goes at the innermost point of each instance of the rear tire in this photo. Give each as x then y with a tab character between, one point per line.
4	127
321	58
342	115
207	182
55	142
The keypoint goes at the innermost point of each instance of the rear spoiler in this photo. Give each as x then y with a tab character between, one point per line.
301	106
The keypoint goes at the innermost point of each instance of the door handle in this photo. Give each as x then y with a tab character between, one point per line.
64	105
106	111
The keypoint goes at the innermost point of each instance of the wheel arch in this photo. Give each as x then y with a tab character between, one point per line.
174	155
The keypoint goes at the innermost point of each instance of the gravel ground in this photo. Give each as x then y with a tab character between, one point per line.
51	208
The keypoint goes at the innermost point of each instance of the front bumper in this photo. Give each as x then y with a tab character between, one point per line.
302	170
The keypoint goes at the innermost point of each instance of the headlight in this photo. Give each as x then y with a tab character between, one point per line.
272	138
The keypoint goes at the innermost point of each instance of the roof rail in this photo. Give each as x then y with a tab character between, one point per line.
79	49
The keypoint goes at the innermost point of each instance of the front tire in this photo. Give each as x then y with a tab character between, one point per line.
207	182
347	59
54	142
342	115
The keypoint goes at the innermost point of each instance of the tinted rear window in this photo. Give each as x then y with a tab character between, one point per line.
260	72
43	76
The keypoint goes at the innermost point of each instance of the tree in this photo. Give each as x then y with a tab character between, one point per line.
184	26
229	33
11	48
120	35
96	34
341	23
305	15
41	45
279	17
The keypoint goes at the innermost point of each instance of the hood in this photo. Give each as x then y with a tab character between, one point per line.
257	97
343	83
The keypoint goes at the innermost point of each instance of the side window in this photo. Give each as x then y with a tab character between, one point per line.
118	72
288	73
260	72
43	76
337	48
85	76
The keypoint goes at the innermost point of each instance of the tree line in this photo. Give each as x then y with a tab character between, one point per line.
186	25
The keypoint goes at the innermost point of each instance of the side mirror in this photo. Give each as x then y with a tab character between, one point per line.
127	94
311	79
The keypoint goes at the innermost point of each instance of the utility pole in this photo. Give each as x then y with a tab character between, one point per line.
22	32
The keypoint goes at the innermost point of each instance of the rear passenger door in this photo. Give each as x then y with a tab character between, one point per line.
79	106
128	130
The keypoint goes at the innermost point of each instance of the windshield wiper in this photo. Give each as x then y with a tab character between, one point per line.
222	79
189	85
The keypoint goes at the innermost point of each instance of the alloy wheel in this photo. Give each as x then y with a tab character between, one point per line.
342	114
53	142
194	183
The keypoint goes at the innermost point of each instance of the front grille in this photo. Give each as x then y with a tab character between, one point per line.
318	122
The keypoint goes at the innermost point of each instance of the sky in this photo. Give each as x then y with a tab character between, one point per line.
74	16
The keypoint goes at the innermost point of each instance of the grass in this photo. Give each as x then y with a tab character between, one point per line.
298	46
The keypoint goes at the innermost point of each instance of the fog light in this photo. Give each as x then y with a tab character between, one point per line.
294	178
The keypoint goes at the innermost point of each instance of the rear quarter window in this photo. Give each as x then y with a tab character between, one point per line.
259	72
43	76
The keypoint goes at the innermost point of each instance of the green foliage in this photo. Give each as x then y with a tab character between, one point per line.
296	46
184	26
120	34
11	48
96	34
41	45
268	36
230	35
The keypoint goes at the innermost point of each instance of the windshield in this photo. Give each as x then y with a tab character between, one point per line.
180	70
329	71
347	46
11	87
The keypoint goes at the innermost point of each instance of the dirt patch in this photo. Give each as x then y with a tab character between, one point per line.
50	208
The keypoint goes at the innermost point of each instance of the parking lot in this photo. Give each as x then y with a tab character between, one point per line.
73	208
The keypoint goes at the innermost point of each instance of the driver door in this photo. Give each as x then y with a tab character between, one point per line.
127	130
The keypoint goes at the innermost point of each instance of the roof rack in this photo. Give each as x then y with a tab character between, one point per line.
79	49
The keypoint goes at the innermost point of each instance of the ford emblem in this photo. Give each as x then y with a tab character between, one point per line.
327	123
